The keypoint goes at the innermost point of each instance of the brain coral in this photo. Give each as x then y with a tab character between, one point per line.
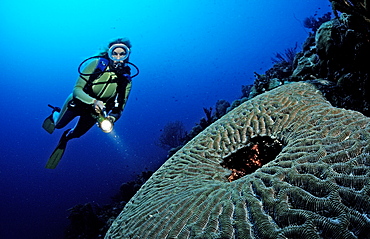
316	187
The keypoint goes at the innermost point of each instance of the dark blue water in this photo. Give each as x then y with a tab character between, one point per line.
190	53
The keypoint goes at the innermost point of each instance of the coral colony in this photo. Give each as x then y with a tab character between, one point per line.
315	187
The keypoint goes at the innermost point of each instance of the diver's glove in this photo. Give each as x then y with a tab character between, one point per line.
98	106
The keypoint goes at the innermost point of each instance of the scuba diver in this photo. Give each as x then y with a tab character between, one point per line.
99	96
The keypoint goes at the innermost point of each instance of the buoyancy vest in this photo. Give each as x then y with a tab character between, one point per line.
101	67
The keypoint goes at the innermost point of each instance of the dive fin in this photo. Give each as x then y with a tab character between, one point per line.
48	123
55	158
58	152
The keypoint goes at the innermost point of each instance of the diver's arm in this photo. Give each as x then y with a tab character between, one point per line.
78	91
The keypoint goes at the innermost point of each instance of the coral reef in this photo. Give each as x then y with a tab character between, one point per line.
359	8
173	135
340	55
91	221
284	64
335	59
287	57
314	23
221	109
85	222
316	187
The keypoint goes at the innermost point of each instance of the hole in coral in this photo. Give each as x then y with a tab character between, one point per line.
259	151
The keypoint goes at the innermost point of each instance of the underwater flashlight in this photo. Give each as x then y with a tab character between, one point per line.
104	123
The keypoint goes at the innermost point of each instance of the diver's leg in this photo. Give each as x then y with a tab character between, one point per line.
66	115
59	118
83	125
85	122
64	118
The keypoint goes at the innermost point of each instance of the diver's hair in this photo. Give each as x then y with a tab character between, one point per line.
123	40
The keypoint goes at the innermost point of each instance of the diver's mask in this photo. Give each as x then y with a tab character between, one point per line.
118	53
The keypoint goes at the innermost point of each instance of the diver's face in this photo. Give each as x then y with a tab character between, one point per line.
118	54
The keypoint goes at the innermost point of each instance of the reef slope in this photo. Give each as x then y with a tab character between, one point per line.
316	187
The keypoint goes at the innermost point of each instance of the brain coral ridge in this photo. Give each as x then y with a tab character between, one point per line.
316	187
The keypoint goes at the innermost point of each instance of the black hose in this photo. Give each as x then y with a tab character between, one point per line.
89	74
